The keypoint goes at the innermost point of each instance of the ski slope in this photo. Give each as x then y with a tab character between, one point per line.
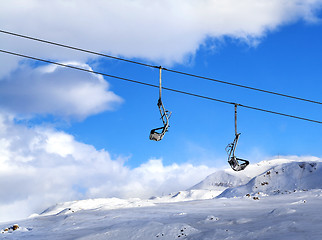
277	199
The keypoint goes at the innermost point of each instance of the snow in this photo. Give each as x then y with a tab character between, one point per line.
277	199
283	178
95	204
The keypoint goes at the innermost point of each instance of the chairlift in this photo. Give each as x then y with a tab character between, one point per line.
237	164
157	134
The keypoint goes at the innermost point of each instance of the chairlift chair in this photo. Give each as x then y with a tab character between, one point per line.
155	133
237	164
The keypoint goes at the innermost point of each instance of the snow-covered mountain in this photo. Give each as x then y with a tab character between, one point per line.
221	180
276	199
265	178
228	183
280	179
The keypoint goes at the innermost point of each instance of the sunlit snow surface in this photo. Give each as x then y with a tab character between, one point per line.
266	205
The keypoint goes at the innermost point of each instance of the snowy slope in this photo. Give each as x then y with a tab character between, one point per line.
283	202
289	216
94	204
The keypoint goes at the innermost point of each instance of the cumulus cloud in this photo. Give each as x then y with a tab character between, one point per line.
41	166
165	32
162	31
56	90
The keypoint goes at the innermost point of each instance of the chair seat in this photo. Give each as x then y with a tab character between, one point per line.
156	136
235	165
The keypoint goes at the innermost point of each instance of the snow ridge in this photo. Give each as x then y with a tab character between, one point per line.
221	180
280	179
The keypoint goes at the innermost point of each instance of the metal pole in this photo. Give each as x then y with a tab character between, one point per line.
160	69
236	119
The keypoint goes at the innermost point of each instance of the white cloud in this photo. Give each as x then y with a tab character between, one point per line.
164	31
56	90
41	166
161	31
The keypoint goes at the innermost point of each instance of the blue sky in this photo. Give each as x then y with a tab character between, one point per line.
286	61
88	136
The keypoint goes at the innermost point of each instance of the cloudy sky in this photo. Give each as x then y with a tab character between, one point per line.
67	135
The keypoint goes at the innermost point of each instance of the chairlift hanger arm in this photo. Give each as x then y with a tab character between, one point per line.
233	161
160	84
165	114
236	119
